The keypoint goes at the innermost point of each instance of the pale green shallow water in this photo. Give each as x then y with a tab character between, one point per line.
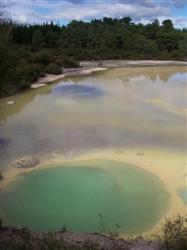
125	108
110	196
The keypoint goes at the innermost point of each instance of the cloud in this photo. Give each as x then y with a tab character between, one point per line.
179	3
38	11
179	22
117	10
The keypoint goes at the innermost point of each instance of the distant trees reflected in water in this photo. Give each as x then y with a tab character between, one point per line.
28	51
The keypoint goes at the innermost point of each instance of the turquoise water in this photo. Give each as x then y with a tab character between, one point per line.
85	196
183	194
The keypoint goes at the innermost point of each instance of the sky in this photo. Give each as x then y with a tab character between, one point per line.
63	11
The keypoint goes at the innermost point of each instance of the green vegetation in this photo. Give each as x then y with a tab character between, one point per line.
28	51
175	234
174	237
53	68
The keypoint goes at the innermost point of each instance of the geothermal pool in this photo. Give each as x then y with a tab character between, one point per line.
112	150
86	196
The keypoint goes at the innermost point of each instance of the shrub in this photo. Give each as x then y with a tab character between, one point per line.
44	57
59	61
53	68
38	69
8	88
70	63
25	75
175	234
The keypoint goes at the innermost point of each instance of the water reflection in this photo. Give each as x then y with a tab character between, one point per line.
139	108
155	73
19	102
74	90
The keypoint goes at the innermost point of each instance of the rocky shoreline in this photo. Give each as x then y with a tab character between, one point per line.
26	162
15	238
173	237
132	63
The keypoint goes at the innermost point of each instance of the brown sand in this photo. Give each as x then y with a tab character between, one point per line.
49	78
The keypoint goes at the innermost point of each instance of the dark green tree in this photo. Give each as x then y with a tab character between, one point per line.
28	51
167	24
37	39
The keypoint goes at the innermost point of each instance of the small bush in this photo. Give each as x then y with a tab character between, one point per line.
39	69
70	63
44	57
175	234
90	245
59	61
26	74
53	68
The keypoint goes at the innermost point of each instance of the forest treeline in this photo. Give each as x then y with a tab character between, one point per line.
29	51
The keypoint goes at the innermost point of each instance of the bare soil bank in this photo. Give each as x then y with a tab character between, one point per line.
49	78
12	237
131	63
89	67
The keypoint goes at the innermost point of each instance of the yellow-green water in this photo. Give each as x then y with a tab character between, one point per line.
137	109
127	107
